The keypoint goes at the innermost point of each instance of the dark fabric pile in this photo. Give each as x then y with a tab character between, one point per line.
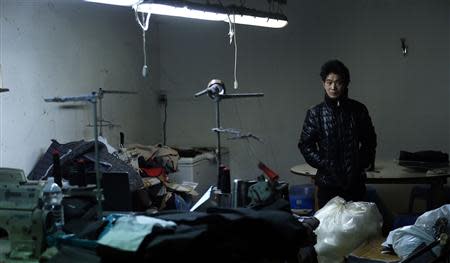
219	235
77	160
423	159
230	235
73	152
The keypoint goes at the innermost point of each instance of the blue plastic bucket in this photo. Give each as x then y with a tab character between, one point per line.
302	196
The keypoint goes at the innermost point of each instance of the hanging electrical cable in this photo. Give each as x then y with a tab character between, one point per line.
233	38
232	35
144	26
235	53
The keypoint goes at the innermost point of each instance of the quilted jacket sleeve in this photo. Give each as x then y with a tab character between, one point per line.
309	139
368	140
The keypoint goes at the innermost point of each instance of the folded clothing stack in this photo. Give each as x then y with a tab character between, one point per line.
423	159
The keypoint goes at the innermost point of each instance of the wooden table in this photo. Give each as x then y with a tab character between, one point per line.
371	250
389	172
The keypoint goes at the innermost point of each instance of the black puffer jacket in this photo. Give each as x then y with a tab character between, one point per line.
338	139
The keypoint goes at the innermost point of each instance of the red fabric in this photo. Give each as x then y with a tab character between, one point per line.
271	174
154	172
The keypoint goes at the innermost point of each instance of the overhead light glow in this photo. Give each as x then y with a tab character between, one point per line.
183	11
115	2
259	21
237	14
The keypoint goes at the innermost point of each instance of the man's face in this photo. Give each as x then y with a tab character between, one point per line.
333	85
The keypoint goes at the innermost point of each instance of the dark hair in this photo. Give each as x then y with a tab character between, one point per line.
337	67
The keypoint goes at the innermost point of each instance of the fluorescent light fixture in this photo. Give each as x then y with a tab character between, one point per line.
180	11
115	2
212	12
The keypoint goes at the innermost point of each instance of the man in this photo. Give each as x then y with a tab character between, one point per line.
338	139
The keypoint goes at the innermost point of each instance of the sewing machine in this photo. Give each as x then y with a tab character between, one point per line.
265	192
21	214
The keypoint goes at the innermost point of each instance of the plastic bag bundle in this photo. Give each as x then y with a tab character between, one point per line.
428	219
343	227
406	239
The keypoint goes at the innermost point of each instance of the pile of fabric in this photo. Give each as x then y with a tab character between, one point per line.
218	235
148	169
154	164
423	160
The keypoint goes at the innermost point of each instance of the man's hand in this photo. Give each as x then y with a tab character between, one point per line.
371	168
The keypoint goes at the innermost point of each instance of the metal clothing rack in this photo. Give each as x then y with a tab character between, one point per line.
216	91
91	98
102	122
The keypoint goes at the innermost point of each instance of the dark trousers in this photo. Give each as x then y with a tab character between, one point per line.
325	194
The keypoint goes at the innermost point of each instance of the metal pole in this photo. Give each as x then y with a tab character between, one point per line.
100	115
219	151
97	160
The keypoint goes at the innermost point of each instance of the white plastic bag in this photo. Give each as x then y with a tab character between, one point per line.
343	227
406	239
428	219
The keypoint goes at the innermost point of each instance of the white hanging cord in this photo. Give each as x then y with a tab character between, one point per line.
145	67
144	23
232	34
250	149
1	79
144	26
235	53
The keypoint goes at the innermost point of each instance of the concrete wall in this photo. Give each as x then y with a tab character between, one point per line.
71	48
406	96
68	48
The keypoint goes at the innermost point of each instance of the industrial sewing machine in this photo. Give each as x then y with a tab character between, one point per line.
265	192
21	214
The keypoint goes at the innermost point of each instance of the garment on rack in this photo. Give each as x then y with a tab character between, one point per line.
82	150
